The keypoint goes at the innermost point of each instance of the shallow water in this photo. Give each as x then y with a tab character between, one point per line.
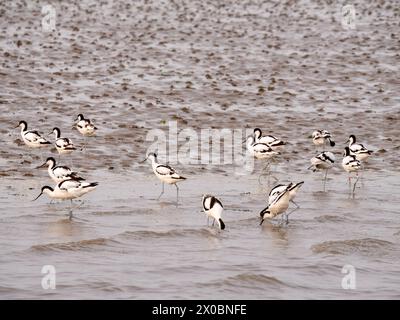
288	69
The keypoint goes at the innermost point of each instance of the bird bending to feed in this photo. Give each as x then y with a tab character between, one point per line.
321	137
277	204
323	161
59	173
291	187
271	141
84	126
213	208
361	152
351	164
165	173
68	189
31	138
63	145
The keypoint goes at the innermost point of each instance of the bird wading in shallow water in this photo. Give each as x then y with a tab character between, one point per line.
323	161
350	164
67	190
213	208
165	173
259	151
278	203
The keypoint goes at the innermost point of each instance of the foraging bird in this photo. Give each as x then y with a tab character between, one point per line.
31	138
351	164
165	173
271	141
63	145
259	150
213	208
59	173
321	137
323	161
277	205
291	187
361	152
68	189
84	126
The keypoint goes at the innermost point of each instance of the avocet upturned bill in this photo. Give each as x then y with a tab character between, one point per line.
361	152
165	173
84	126
272	141
321	137
323	161
63	145
260	150
59	173
213	208
351	164
291	187
277	205
31	138
68	190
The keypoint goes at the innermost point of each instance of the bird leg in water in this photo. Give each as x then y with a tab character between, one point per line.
177	194
297	206
162	191
326	174
70	210
354	187
263	173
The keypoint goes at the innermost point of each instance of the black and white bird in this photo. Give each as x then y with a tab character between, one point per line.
322	137
59	173
165	173
259	150
84	126
213	208
350	164
292	189
31	138
357	149
63	145
323	161
68	189
278	203
272	141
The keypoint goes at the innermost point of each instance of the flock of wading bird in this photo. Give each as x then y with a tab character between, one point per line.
70	185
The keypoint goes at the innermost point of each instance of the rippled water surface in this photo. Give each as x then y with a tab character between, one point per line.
286	67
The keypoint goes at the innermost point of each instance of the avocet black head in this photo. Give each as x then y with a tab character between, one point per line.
23	125
56	131
45	189
352	139
79	117
257	133
49	161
